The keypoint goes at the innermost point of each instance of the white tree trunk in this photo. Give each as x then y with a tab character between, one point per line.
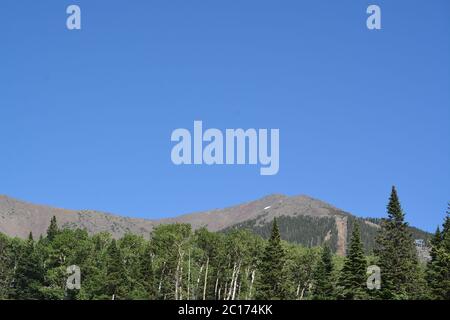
235	281
206	279
189	275
249	296
216	285
194	295
230	289
162	275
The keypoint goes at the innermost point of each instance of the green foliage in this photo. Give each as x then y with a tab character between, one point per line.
352	282
29	273
301	264
397	256
273	280
10	252
305	230
368	231
438	273
52	230
323	286
311	231
170	245
115	273
147	283
179	263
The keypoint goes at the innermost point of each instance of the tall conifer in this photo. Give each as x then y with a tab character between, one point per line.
352	281
52	230
323	277
397	255
273	280
29	275
115	272
438	272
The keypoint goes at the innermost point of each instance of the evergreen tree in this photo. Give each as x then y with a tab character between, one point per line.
273	282
435	242
353	275
29	275
438	272
323	277
115	273
177	264
6	266
52	230
397	255
446	225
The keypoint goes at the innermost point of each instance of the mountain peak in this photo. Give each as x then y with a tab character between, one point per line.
18	218
301	216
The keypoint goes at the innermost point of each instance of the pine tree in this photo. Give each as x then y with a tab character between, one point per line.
273	281
52	230
446	225
29	275
435	242
7	264
397	255
115	273
323	277
438	272
353	275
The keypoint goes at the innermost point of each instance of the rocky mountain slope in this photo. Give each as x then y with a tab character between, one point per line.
302	220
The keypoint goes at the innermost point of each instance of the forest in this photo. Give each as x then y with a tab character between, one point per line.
311	231
178	263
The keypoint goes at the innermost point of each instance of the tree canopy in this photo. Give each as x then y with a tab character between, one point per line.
177	262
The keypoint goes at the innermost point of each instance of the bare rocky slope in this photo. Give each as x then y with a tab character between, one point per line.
18	218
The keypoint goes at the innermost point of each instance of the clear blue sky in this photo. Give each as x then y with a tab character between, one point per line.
86	116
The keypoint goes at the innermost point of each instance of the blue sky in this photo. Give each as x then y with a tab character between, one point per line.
86	116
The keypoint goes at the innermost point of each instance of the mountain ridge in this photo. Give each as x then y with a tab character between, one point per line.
18	218
229	215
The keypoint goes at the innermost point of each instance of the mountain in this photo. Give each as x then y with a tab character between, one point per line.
301	219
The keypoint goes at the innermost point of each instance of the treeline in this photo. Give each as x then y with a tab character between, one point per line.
179	263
